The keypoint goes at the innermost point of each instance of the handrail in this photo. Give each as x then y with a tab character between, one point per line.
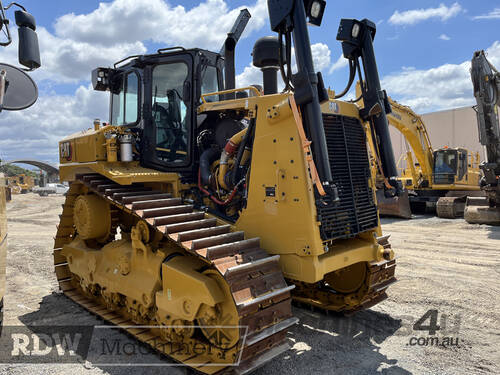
254	89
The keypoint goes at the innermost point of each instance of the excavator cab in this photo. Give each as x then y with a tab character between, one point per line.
450	165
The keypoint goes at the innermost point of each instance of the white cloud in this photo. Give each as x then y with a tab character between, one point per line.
493	15
67	60
321	56
444	37
414	16
128	21
443	87
36	131
252	75
341	62
119	28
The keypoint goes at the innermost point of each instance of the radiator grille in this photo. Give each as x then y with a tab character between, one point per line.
356	212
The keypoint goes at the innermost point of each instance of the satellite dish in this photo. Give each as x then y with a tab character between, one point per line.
17	89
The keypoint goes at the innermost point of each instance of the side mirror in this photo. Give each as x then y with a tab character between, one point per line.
29	52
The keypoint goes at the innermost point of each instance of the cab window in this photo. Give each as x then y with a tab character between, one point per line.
445	163
210	83
169	112
125	101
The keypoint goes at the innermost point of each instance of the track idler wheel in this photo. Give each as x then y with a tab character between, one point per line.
219	324
348	279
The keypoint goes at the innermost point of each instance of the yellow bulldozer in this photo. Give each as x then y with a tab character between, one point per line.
201	210
21	183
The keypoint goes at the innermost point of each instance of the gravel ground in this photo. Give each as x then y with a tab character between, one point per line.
444	265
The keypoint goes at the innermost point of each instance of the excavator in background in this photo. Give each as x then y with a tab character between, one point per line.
202	210
486	82
17	92
437	180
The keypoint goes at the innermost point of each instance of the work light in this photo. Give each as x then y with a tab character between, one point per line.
355	30
315	10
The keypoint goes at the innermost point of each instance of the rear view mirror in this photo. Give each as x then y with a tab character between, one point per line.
29	52
17	89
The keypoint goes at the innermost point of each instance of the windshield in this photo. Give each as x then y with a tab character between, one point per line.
445	162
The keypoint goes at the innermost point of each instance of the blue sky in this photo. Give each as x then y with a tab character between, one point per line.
422	47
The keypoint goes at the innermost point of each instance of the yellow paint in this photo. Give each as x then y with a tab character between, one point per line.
181	275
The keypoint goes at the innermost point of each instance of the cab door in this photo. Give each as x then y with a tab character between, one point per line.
462	175
167	143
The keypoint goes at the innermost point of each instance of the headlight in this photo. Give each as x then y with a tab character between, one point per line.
355	30
315	9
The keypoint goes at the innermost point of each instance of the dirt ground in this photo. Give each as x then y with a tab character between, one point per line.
444	265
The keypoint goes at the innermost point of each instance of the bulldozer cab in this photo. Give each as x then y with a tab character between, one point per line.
450	165
157	96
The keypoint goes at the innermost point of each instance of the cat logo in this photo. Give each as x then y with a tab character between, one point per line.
65	151
334	107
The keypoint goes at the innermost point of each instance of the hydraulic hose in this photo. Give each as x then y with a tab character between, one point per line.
352	75
231	147
206	160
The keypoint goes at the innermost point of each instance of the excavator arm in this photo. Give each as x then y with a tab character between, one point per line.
486	82
413	129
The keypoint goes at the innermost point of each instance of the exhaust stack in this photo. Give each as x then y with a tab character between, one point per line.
228	49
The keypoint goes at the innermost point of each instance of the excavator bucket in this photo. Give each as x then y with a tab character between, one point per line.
478	211
397	206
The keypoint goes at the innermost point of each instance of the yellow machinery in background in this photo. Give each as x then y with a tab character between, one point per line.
441	178
21	183
203	211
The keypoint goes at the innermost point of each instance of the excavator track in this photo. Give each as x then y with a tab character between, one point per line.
255	280
451	207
